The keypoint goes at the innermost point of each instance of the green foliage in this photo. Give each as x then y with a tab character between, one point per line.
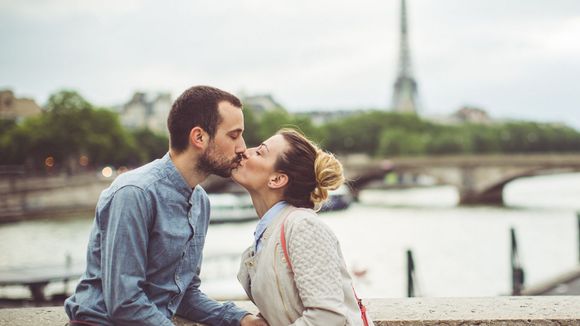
71	127
259	127
448	141
399	142
362	133
272	121
151	145
251	127
6	125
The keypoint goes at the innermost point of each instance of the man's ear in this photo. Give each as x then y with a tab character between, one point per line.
198	137
278	180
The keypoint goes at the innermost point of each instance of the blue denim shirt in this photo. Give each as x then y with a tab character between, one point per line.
144	254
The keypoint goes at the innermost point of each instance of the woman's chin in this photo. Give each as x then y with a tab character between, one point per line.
237	177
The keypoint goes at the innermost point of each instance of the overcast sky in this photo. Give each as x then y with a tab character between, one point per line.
516	59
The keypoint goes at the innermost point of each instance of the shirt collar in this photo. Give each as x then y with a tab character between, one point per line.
175	177
267	219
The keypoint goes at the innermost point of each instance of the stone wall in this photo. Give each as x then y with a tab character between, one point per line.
23	198
554	310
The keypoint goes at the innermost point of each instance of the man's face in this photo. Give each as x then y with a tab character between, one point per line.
227	146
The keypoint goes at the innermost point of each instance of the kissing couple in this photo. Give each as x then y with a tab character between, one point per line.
144	254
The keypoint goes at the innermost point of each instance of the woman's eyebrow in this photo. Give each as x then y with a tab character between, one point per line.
262	144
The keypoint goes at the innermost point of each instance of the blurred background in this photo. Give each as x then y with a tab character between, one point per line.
457	122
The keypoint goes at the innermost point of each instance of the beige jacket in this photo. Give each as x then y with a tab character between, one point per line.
317	291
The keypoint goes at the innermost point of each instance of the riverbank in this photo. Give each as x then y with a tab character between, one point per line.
28	198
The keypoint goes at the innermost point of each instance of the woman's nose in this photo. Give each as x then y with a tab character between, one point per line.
251	151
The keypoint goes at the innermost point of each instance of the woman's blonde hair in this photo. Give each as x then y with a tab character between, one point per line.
311	171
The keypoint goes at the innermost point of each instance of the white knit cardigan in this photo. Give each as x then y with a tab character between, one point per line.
317	291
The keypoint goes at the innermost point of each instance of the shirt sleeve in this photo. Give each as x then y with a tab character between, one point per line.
312	248
124	259
199	307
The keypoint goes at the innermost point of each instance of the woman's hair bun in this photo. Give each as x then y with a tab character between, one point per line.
329	176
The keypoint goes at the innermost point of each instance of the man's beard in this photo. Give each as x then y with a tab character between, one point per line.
211	163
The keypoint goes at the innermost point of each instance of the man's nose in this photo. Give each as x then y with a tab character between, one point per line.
241	146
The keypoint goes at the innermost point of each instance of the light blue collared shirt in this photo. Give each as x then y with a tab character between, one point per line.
265	222
144	254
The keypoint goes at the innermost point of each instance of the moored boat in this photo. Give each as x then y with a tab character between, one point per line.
231	208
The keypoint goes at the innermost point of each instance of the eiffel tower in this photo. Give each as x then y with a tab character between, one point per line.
405	88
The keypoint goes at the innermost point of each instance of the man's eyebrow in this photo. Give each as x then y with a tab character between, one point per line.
236	130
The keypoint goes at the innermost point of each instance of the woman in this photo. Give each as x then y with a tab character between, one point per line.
294	272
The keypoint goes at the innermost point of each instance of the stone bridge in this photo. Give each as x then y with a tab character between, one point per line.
479	179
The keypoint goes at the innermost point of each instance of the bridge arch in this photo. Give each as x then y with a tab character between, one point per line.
480	179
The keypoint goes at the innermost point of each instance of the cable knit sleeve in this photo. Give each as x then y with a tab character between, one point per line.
313	250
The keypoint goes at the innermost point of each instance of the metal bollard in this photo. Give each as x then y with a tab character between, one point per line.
578	218
410	274
518	275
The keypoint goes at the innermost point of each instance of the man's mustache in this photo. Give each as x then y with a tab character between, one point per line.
240	157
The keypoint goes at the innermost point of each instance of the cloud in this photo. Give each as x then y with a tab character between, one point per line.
55	9
512	58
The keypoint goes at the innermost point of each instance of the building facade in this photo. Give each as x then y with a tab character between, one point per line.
147	111
12	108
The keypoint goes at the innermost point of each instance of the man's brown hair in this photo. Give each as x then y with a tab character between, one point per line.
196	107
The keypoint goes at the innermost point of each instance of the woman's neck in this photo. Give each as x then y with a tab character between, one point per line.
264	201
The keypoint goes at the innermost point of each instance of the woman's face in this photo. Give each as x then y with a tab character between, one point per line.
255	171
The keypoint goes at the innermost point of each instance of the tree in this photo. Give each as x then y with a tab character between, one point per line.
70	128
151	145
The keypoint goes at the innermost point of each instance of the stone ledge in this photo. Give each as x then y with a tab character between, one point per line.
547	310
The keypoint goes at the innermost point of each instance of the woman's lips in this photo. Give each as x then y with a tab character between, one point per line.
240	162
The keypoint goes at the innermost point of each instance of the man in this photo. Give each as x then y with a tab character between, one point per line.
145	248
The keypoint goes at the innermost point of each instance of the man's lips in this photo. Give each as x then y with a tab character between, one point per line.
239	161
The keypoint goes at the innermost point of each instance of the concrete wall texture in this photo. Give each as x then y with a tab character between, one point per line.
548	310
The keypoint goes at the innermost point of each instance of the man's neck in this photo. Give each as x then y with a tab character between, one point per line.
185	163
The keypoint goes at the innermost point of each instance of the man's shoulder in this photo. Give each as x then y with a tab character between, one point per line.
142	177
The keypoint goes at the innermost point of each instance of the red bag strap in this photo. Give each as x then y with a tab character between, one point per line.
361	306
283	241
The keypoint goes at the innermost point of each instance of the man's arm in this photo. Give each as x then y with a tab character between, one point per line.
124	260
199	307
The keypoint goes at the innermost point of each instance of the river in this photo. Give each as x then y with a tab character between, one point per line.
458	251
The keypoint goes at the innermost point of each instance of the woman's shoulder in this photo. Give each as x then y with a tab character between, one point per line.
306	221
300	216
301	212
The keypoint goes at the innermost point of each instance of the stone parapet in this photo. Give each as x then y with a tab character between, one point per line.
542	310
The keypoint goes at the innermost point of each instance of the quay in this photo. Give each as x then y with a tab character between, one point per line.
486	311
37	278
25	197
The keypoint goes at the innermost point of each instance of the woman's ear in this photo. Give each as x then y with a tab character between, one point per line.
278	180
198	137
